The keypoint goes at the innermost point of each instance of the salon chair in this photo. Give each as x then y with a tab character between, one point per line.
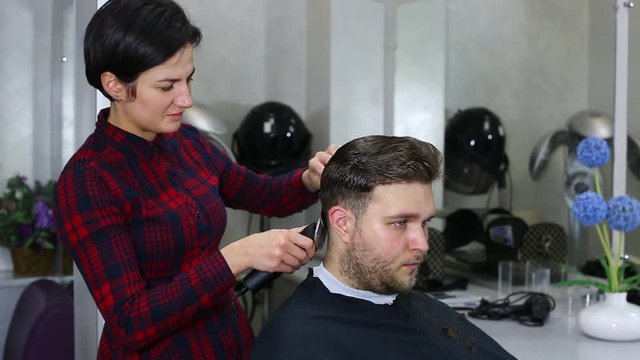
42	324
431	271
545	242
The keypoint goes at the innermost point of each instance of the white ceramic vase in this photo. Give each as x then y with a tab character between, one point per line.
613	319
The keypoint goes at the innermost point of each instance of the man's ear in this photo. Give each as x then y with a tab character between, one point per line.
113	86
342	222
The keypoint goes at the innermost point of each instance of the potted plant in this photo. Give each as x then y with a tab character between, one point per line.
26	225
615	318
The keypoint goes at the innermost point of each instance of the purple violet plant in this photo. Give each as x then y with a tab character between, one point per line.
26	215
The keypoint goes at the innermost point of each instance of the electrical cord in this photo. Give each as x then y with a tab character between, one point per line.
248	299
510	190
509	182
528	308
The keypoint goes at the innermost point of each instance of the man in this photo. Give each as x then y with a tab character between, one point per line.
358	304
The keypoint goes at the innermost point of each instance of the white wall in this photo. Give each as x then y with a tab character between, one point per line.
527	61
333	51
536	63
533	62
387	70
34	37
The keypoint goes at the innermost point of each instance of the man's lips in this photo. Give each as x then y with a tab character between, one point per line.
412	266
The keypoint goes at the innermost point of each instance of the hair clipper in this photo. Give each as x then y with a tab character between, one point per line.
257	280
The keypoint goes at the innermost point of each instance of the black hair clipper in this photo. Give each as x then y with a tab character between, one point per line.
257	280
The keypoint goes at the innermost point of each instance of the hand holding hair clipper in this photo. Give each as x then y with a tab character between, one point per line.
257	280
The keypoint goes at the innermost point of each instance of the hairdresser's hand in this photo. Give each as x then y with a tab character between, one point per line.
311	176
274	251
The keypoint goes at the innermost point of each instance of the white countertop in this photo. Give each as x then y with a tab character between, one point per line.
558	338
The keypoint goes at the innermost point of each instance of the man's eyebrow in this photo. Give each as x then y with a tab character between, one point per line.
403	216
176	80
408	216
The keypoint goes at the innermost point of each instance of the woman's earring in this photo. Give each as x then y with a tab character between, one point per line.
116	99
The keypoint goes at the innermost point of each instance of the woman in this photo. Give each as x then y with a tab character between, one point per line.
141	205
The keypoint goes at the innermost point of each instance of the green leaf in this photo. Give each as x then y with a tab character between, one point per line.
573	270
629	288
605	265
631	279
29	241
48	245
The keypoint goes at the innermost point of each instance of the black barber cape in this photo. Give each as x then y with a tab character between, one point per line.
314	324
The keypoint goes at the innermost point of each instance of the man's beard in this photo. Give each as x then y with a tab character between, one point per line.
368	270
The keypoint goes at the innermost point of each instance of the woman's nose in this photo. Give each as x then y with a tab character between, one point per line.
184	99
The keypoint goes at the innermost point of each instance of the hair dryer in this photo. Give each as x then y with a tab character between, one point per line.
578	177
257	280
582	124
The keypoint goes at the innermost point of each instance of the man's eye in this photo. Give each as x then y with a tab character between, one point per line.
400	223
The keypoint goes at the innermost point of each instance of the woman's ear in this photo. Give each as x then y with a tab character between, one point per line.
113	86
342	222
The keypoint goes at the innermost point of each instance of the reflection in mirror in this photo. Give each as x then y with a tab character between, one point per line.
535	64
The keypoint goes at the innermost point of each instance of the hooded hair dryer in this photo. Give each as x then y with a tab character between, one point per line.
578	178
475	156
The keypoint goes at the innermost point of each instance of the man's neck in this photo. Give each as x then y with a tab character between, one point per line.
336	286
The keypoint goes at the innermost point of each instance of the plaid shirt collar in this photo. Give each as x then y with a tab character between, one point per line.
131	143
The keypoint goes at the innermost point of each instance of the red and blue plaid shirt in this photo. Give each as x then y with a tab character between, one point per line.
143	221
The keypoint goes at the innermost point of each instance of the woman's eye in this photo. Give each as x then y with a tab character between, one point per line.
167	88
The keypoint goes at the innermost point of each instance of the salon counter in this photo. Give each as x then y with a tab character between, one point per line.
559	338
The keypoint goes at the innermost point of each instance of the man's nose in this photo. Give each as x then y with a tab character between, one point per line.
420	240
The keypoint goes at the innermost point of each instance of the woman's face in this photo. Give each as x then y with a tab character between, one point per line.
163	93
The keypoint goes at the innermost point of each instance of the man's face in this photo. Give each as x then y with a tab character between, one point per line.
388	246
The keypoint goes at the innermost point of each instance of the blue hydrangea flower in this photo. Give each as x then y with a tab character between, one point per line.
593	152
623	213
589	208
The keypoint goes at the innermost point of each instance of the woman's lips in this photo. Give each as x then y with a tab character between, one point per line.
176	116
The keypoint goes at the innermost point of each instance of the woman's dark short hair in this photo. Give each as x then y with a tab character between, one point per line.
128	37
360	165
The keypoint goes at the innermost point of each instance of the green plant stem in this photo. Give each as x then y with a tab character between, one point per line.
618	262
612	268
603	235
596	176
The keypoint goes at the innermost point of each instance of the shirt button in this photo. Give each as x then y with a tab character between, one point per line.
197	214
